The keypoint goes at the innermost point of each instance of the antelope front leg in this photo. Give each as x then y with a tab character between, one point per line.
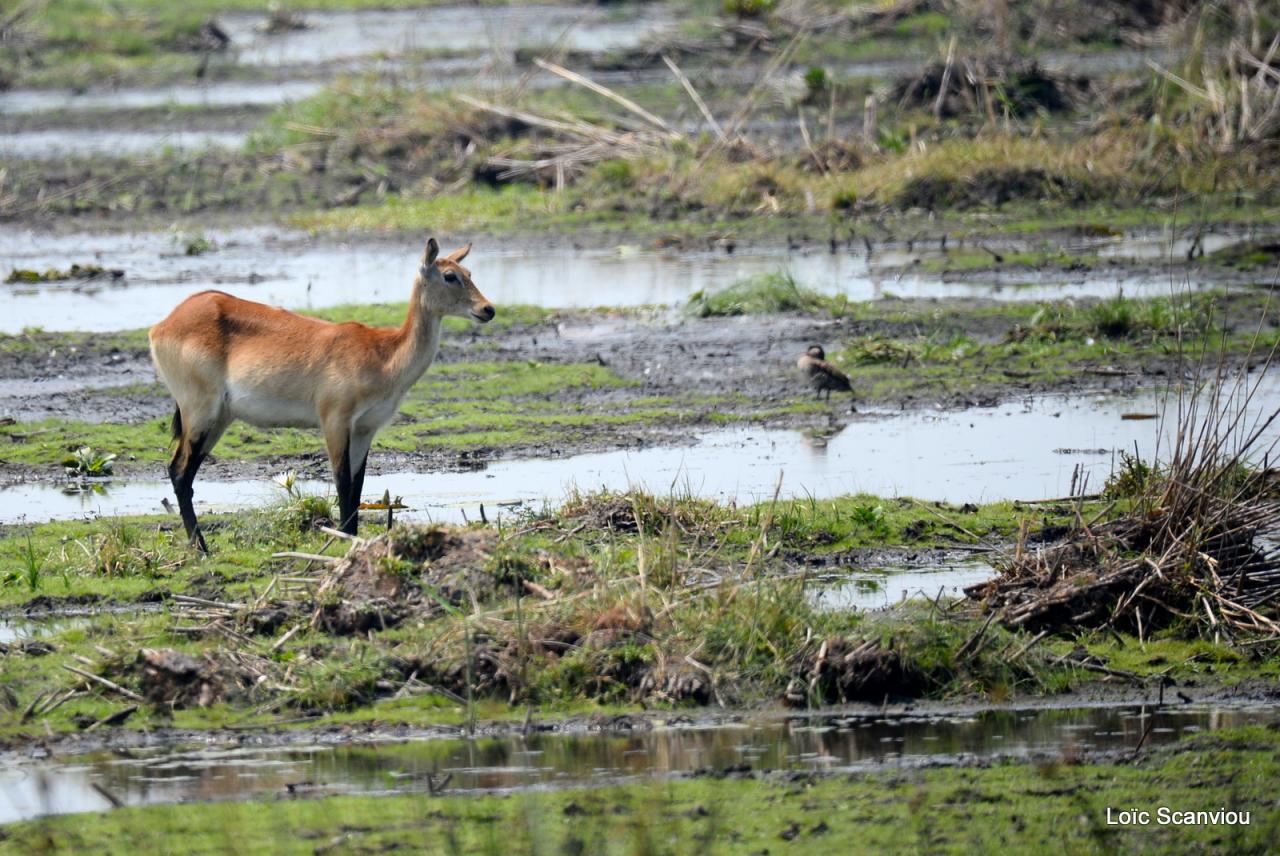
357	458
337	439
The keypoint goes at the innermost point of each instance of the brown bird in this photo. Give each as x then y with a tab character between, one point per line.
821	374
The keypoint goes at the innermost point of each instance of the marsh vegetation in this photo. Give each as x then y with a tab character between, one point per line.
983	213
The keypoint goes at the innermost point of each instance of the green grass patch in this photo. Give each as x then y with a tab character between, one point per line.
970	260
507	209
1255	256
764	294
453	406
632	564
1045	343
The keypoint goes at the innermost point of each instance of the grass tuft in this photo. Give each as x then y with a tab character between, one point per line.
761	295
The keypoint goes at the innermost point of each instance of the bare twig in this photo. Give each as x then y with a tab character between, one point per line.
111	685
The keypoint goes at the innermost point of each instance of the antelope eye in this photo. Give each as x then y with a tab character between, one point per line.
451	277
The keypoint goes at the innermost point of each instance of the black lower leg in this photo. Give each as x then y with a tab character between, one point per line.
183	478
347	511
357	488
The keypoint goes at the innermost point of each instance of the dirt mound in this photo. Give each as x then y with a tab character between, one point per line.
1195	549
633	512
677	682
845	670
56	603
1130	575
174	680
605	512
381	581
832	156
991	187
984	87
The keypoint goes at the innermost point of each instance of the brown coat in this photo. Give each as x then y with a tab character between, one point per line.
821	374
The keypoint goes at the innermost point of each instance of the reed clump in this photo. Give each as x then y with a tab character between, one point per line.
1188	542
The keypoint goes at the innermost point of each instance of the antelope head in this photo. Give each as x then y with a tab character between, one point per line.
446	287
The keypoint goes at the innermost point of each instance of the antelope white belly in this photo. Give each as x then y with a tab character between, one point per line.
267	411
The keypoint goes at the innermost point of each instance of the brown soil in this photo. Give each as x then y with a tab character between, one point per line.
173	680
371	588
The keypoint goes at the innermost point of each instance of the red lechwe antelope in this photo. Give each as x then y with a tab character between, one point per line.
224	358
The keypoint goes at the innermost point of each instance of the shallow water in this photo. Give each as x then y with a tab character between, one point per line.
832	742
56	144
1024	449
866	590
431	74
358	41
345	35
289	269
12	628
229	93
508	29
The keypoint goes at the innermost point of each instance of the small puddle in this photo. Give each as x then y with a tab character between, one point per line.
289	269
866	590
55	144
848	742
348	35
1019	450
212	94
60	618
430	74
13	628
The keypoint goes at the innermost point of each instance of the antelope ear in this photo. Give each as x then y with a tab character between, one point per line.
459	254
433	250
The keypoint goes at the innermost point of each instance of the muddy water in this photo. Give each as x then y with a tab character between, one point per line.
1020	450
832	743
289	269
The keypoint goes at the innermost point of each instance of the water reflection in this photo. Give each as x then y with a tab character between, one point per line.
295	271
1028	449
883	588
61	142
834	743
338	36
